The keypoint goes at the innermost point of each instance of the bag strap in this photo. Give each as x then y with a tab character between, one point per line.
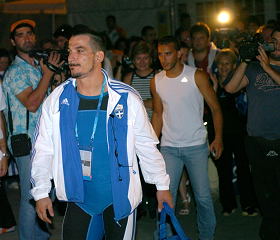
10	119
177	226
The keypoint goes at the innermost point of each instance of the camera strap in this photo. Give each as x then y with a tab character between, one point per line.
10	119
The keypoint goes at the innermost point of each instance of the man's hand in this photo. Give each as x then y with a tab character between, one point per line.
3	166
216	148
43	208
263	58
54	59
164	196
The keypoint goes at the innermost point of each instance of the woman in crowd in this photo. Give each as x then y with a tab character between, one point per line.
142	74
139	79
234	150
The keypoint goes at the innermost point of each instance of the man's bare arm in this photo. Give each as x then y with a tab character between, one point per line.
157	109
238	80
210	97
33	98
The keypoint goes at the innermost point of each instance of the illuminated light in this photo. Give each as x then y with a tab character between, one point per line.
224	17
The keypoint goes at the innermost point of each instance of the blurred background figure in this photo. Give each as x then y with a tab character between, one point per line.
5	61
47	44
149	34
114	31
142	74
140	80
62	35
7	219
234	148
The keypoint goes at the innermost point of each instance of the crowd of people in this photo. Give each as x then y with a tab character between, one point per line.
89	117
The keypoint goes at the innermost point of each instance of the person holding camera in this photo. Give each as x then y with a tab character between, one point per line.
262	81
25	85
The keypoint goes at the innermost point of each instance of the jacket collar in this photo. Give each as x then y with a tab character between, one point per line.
114	96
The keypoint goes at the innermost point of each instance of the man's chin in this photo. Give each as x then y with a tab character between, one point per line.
76	75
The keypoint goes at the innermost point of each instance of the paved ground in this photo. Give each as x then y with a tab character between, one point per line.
234	227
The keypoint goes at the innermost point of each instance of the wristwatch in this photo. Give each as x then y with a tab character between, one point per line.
5	154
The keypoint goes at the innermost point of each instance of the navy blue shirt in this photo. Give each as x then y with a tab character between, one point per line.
98	191
263	102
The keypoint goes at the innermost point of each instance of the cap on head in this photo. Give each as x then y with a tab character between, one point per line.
21	23
64	30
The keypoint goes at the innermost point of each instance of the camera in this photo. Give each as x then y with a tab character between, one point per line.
248	49
44	54
126	61
224	36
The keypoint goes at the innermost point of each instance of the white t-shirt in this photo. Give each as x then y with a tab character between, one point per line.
183	107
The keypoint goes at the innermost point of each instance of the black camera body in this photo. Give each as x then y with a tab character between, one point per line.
44	54
248	49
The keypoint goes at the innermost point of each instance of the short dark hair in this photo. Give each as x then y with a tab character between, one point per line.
146	29
112	17
96	41
200	27
64	30
169	39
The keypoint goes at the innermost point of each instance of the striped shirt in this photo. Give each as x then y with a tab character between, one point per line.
142	85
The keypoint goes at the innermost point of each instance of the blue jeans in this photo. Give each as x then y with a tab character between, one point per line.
195	158
29	228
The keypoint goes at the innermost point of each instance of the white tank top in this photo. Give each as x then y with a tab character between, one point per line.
182	109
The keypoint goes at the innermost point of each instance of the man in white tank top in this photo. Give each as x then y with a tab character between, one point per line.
178	93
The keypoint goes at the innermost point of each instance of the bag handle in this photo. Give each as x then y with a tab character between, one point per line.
177	226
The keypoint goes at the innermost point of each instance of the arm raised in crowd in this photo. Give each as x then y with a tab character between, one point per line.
265	63
33	98
238	80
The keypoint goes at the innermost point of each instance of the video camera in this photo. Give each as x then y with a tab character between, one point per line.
248	48
44	54
224	36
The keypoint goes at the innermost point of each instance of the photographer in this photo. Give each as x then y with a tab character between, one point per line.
262	81
25	86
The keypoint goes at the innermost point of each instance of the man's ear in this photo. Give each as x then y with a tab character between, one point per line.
179	54
99	56
13	42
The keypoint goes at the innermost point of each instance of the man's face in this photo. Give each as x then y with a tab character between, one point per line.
168	56
200	41
110	22
185	37
225	66
184	55
61	41
81	57
24	39
4	63
276	39
150	36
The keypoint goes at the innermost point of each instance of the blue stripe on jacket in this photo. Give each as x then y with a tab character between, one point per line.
72	167
117	132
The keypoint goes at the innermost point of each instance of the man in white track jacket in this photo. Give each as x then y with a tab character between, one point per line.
87	139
